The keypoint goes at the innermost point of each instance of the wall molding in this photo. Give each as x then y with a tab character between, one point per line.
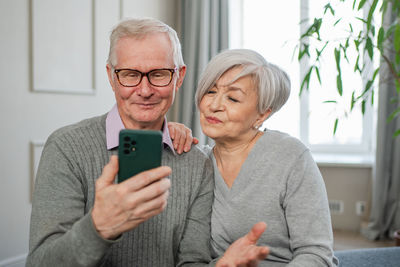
62	51
17	261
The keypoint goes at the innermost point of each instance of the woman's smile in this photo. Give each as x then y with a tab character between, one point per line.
213	120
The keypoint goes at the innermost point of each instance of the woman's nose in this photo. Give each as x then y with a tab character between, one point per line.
216	103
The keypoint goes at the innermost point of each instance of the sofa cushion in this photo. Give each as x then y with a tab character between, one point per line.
380	257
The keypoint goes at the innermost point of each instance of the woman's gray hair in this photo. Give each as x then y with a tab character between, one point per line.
138	28
272	84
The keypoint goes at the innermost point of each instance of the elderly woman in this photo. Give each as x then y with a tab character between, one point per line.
261	175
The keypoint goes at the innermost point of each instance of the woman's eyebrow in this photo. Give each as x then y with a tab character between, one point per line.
230	87
235	88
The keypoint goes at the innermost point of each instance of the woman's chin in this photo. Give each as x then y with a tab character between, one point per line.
211	133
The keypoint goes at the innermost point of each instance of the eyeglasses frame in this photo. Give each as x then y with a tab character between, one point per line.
172	71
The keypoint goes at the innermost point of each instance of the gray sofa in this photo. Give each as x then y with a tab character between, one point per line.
371	257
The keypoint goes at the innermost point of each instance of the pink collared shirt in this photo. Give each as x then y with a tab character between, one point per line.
114	125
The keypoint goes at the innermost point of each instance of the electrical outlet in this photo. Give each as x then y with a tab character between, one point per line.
360	207
336	206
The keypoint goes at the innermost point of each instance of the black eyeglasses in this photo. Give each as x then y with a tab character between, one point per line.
157	77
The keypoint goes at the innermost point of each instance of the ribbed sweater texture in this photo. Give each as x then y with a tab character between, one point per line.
62	232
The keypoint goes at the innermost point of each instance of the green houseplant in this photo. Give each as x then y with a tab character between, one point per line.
372	39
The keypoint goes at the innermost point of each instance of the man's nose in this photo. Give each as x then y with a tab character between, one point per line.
145	88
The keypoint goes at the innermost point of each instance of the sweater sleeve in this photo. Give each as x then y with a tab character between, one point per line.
194	247
307	214
61	234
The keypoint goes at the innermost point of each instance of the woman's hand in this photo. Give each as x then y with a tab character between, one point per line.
244	252
181	136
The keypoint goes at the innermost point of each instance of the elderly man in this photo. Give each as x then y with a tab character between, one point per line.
80	217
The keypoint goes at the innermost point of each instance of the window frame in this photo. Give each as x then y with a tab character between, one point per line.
365	149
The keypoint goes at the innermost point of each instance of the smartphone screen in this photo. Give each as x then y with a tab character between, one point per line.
138	151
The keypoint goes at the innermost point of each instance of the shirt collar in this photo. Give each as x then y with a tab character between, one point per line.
114	125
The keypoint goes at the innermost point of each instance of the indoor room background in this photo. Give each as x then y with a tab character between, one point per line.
52	73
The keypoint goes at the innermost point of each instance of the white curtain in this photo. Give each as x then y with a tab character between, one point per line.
385	211
204	33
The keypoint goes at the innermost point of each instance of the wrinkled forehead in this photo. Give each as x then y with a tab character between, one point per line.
154	48
234	74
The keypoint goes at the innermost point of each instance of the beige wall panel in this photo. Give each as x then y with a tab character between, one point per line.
348	184
164	10
62	46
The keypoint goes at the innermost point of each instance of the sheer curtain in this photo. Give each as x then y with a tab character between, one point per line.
385	211
204	33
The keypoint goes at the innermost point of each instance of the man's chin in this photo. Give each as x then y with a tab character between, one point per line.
154	123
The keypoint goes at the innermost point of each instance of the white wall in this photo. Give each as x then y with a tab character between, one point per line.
29	116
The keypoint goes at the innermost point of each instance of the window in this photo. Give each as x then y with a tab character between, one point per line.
273	29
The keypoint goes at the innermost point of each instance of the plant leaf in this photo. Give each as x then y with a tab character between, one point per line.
352	101
361	19
351	27
371	14
394	114
384	7
306	80
335	126
337	59
396	133
397	87
375	73
369	83
339	84
318	76
394	100
319	52
361	4
390	30
363	107
313	29
381	38
396	41
357	44
370	48
356	66
367	87
303	51
329	7
372	97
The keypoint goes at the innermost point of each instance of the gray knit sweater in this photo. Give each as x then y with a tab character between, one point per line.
62	232
280	184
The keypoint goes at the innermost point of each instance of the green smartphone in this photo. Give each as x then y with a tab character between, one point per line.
138	151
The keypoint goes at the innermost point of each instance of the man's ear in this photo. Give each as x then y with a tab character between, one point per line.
110	76
182	72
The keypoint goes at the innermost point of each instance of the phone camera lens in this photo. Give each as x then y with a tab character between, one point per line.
126	151
127	139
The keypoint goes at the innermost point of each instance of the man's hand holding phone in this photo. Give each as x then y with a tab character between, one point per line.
121	207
